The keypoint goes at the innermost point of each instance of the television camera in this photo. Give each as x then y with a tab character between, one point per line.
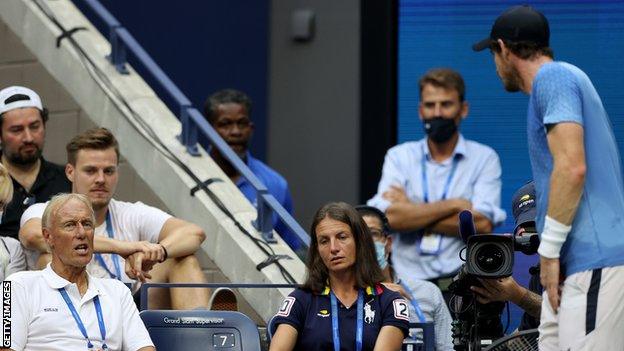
487	256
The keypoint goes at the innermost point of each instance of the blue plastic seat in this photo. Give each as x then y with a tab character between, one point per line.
428	338
201	330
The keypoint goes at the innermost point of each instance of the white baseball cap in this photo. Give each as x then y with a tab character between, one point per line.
31	99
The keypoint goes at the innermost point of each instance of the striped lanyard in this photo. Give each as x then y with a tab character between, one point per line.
114	257
359	323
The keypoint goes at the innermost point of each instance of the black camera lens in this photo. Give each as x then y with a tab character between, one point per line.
490	258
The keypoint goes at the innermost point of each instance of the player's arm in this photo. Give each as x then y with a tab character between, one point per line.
565	141
409	216
180	238
147	348
450	225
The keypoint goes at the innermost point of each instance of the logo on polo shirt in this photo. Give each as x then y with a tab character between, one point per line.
323	313
369	314
525	200
50	309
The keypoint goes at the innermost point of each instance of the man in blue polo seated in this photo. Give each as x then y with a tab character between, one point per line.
228	111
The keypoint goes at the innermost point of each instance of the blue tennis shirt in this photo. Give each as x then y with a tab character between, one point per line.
562	92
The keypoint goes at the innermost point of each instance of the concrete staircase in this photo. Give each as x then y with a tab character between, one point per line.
29	57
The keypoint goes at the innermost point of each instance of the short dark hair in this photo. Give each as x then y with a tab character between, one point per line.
444	78
366	268
92	139
19	97
225	96
525	50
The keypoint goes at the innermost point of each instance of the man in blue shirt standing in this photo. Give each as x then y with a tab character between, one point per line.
578	181
426	183
228	111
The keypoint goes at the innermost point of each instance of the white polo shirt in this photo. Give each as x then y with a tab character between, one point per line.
41	320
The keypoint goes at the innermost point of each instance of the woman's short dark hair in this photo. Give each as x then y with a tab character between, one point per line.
366	268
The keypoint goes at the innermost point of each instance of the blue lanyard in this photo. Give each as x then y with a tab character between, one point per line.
425	184
419	312
360	321
114	257
83	330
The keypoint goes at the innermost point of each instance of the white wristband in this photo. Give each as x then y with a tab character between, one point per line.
552	238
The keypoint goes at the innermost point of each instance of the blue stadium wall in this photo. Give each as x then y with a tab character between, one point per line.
203	46
589	34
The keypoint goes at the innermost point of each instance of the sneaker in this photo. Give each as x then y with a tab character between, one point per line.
223	299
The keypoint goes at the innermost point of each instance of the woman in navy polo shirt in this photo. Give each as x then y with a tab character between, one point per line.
342	305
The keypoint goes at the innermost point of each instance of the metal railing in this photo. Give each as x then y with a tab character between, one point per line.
122	43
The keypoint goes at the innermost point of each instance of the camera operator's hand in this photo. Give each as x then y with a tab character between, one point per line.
502	289
551	280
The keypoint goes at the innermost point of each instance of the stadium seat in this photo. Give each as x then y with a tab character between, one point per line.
201	330
270	329
427	343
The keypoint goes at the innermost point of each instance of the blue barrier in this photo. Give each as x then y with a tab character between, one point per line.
123	43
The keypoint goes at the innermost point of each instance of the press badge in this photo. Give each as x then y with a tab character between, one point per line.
430	244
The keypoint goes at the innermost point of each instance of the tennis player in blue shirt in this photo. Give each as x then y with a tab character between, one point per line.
578	181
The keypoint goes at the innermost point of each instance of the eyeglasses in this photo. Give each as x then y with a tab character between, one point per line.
377	235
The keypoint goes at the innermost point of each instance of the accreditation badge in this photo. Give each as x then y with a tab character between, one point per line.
430	244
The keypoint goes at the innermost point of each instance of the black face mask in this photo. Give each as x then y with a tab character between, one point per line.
440	129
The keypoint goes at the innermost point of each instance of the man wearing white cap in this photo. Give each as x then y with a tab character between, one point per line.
22	134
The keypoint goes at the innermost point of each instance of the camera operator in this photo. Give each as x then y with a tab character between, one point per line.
507	289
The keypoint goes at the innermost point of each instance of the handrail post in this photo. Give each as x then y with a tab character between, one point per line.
117	56
188	137
264	220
